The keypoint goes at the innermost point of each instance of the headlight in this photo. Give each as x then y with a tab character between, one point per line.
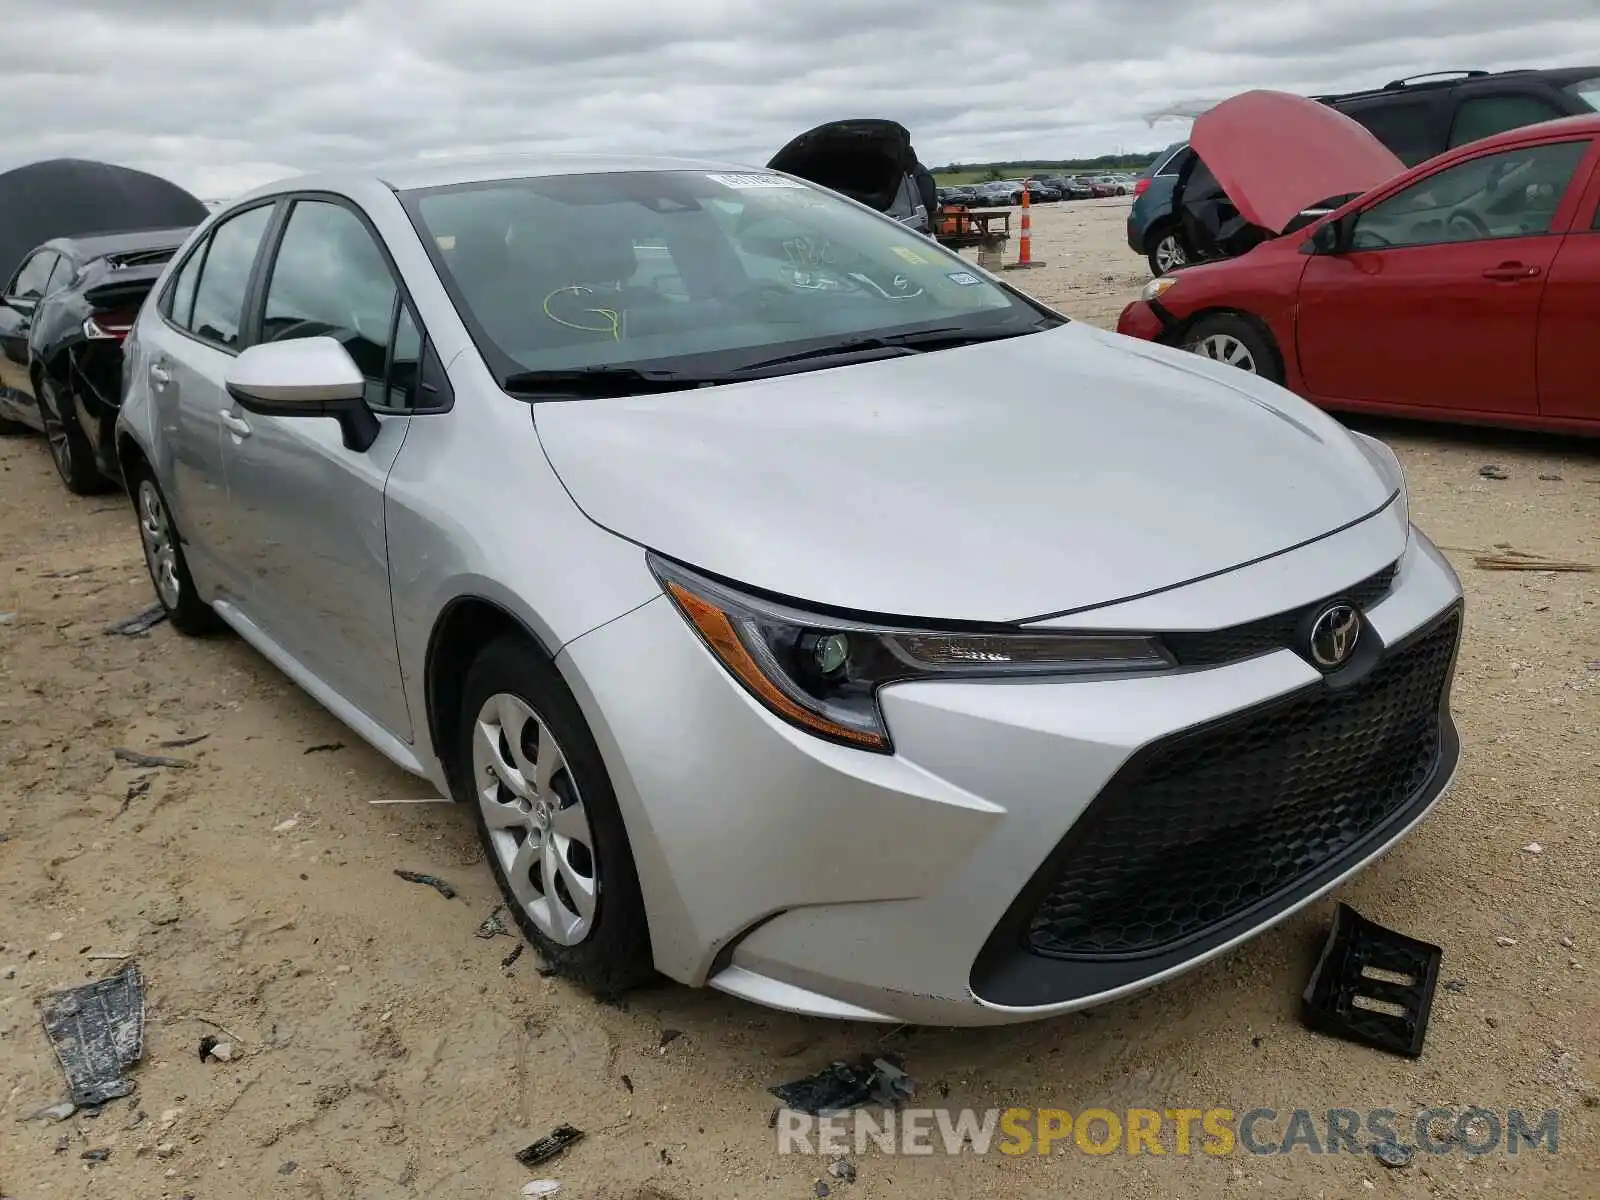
821	673
1158	287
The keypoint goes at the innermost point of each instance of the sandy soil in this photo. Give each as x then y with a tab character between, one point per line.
381	1050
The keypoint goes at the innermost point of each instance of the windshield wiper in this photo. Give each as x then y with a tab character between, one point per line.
942	338
599	381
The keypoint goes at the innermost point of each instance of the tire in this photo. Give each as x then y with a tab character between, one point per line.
1167	252
1237	341
559	853
158	535
69	448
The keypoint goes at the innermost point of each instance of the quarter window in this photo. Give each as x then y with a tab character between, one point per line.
35	274
180	297
330	280
225	277
1511	194
1485	116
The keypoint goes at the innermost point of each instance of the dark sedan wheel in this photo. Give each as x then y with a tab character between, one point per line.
69	449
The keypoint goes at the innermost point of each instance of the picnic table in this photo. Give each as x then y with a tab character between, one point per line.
959	227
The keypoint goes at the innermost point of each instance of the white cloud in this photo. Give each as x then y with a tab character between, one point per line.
219	98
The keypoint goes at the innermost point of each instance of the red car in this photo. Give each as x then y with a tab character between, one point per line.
1466	288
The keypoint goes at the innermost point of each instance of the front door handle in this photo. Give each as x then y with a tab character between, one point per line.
1510	272
159	375
237	426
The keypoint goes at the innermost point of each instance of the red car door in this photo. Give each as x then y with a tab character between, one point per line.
1569	321
1433	304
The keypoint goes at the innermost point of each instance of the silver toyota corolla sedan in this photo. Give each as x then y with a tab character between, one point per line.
802	611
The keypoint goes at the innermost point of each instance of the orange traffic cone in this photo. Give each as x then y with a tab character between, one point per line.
1025	242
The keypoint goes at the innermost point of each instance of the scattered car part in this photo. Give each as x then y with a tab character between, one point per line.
547	1147
138	758
842	1086
140	623
1372	985
433	881
97	1032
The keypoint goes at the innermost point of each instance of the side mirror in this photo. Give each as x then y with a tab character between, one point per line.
306	377
1333	237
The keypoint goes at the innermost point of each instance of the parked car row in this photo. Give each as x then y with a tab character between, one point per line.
1181	215
613	497
1043	190
1466	287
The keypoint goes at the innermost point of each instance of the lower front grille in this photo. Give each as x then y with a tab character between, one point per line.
1201	827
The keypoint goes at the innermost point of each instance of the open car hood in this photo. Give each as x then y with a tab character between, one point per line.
1276	154
865	159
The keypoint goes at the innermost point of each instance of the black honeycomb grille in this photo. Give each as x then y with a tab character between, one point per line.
1216	647
1214	822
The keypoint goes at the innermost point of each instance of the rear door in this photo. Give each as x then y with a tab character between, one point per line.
202	314
1484	113
1435	305
1413	125
1569	321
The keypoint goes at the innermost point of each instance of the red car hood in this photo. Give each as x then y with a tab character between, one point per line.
1276	154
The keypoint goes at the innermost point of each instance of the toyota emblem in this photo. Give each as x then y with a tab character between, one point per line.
1334	634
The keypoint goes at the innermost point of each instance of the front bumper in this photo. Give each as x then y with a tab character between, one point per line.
821	879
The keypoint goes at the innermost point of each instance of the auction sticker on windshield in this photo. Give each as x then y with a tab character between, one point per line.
963	278
754	181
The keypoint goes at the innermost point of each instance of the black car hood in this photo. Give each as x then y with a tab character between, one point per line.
69	197
864	158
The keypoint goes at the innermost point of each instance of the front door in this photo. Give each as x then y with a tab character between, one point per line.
307	513
1569	323
1434	305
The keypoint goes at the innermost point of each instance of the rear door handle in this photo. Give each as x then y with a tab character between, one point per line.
159	375
237	426
1511	272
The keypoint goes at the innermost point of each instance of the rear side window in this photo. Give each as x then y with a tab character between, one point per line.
1408	127
1485	116
180	296
225	276
1174	164
35	274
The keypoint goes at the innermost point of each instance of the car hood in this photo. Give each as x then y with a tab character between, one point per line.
996	482
1276	154
864	158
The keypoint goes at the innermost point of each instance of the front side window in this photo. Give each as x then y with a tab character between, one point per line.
330	280
1514	193
690	272
218	308
1485	116
34	276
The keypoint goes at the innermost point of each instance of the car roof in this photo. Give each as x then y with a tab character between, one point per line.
1426	83
448	172
100	244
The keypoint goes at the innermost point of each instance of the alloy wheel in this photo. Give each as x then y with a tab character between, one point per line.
1225	348
538	826
160	551
1169	253
55	431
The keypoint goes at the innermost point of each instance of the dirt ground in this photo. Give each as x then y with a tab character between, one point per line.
382	1050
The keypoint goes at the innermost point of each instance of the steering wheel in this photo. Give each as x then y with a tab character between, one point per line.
1472	221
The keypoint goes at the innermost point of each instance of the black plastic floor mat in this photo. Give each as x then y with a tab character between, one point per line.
97	1031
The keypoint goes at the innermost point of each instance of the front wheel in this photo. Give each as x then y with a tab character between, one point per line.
549	820
1230	338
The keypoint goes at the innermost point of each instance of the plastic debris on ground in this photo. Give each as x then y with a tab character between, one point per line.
842	1086
1372	985
547	1147
138	759
140	623
492	925
433	881
97	1032
541	1187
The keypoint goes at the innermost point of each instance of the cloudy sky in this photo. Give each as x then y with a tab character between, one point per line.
220	95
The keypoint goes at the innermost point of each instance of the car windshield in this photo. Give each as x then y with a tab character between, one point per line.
692	274
1587	90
